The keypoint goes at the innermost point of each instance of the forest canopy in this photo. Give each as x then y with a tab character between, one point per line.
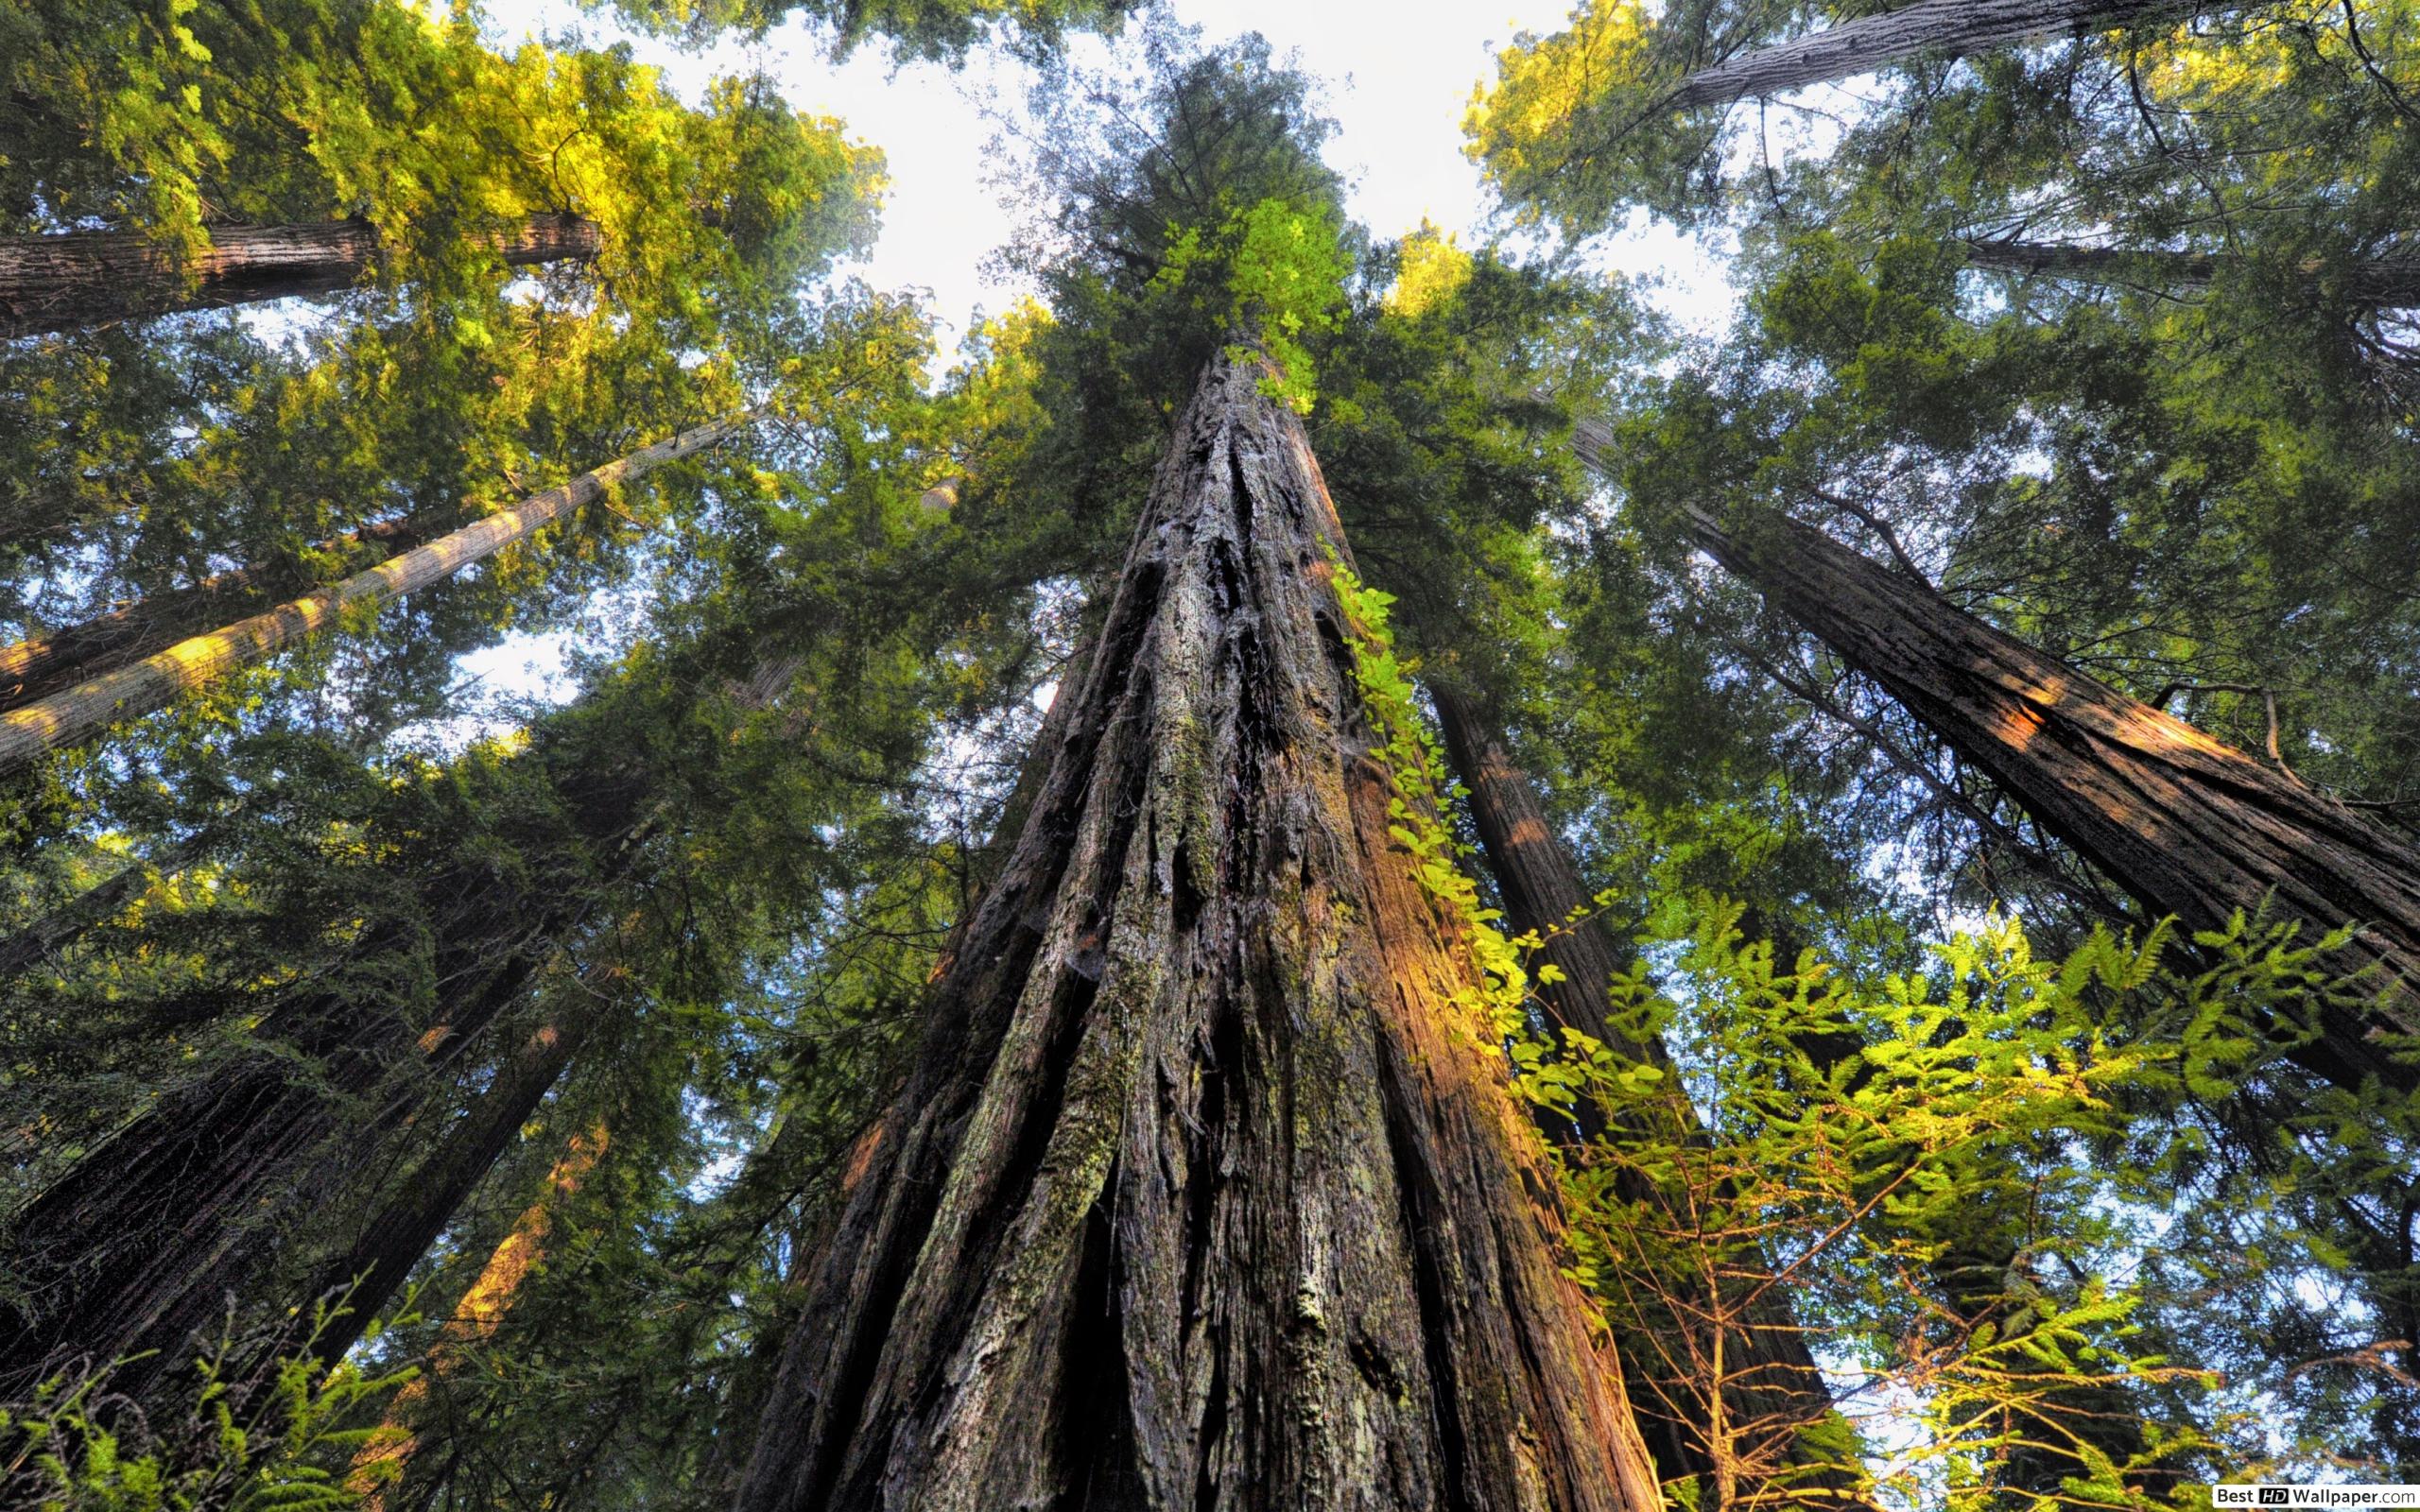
1323	863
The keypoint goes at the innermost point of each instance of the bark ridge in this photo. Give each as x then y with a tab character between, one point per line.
1208	1191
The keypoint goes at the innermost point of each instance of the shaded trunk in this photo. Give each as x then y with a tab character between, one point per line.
476	1319
393	1238
83	712
1927	28
146	1239
91	278
2386	283
144	1242
1772	1387
1207	1190
36	668
2193	827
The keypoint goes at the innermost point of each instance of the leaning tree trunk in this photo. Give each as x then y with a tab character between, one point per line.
141	1243
97	904
1208	1189
84	710
1928	26
93	278
2193	826
40	666
391	1239
2384	283
386	1455
1772	1387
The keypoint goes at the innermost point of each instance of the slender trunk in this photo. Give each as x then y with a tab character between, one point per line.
36	668
391	1240
139	1246
2385	283
1769	1384
1928	26
475	1320
2193	827
83	712
91	278
1207	1190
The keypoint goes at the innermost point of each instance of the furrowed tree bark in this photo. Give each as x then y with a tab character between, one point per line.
2190	825
1928	26
35	668
1774	1385
91	278
1207	1192
83	712
2386	283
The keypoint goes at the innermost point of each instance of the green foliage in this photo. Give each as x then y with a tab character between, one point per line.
1284	278
915	29
1409	755
1943	1205
244	1445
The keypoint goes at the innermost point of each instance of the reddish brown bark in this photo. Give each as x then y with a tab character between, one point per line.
2190	825
1773	1388
1205	1192
91	278
476	1317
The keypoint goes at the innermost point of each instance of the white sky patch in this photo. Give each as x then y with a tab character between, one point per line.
1398	107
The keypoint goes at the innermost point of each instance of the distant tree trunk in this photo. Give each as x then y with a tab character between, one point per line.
1928	26
477	1318
2386	283
1775	1386
1205	1193
83	712
35	668
91	278
2193	827
144	1240
393	1237
139	1246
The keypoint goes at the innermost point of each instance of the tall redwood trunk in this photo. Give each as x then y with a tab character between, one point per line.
476	1317
2193	826
2387	282
144	1239
35	668
83	712
91	278
142	1243
1205	1192
1773	1388
1941	26
391	1239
